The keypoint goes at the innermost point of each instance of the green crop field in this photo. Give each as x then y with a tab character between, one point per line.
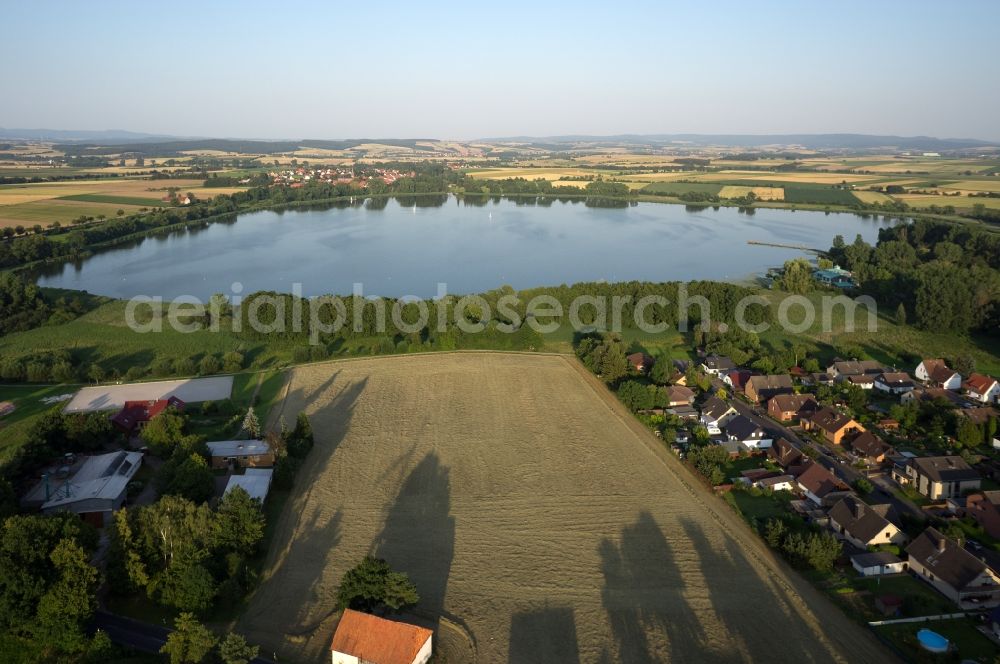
114	200
819	194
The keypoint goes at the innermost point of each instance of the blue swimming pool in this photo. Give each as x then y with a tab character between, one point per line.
932	641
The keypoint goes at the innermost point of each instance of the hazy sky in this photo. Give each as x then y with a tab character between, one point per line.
469	69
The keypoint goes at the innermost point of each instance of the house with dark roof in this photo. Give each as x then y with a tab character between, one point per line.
864	525
134	415
979	416
936	373
761	388
920	394
953	571
737	379
833	425
717	365
716	413
641	362
748	433
362	638
869	448
841	369
984	507
878	563
894	382
791	407
776	483
783	453
939	477
819	485
982	388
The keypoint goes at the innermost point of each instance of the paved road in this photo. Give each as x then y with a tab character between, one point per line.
825	457
141	636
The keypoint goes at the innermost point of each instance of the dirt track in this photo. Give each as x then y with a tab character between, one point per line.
526	505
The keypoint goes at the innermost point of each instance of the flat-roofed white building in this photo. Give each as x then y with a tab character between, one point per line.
255	481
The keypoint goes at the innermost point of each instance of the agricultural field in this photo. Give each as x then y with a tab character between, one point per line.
762	193
872	197
497	499
46	202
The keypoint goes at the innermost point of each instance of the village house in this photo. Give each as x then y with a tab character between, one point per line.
678	395
819	485
864	381
761	388
936	373
135	415
791	407
869	448
878	563
240	454
978	416
362	638
982	388
920	394
717	365
783	453
953	571
641	362
255	481
743	430
818	378
894	383
984	507
864	525
95	490
833	425
776	483
716	413
841	369
939	477
737	379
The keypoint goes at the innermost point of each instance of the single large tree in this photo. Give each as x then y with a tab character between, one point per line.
190	642
250	424
234	649
373	587
239	522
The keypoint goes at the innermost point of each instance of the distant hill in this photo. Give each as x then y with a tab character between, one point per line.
167	148
811	141
117	135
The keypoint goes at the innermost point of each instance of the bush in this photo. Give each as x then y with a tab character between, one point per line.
37	372
318	353
209	365
62	372
162	366
184	366
284	472
300	354
232	362
135	373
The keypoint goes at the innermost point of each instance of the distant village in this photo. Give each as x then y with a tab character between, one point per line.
299	176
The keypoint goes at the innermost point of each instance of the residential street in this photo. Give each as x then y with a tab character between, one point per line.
827	459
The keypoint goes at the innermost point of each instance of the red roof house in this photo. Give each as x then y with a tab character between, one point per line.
135	414
367	638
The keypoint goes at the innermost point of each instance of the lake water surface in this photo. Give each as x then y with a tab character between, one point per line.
397	250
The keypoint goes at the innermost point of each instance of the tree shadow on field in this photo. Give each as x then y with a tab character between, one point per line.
544	636
419	533
644	596
739	597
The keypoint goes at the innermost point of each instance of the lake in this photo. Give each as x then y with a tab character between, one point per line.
397	249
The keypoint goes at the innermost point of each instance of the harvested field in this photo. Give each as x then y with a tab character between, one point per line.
762	193
528	507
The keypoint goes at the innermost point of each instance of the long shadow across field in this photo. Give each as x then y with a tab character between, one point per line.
640	580
734	588
419	532
544	636
317	534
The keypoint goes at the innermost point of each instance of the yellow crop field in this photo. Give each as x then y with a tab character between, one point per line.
526	543
872	197
926	200
992	185
762	193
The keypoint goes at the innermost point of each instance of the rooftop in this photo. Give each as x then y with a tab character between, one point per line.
104	476
377	640
946	559
255	481
236	448
945	468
